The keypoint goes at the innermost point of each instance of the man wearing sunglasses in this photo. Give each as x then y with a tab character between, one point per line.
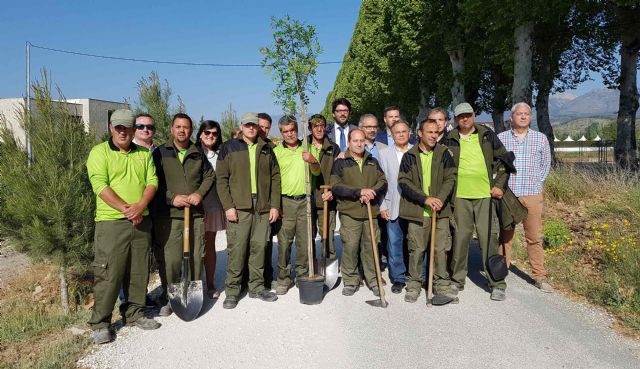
145	131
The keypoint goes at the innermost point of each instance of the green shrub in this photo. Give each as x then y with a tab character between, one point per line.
568	186
556	233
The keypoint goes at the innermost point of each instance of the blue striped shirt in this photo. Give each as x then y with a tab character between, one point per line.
533	161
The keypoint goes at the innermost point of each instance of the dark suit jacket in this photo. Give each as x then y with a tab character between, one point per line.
330	132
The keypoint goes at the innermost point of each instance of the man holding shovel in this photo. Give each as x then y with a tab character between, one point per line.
248	183
292	158
357	180
426	179
124	180
184	179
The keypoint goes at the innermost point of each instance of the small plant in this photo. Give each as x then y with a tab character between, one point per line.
556	235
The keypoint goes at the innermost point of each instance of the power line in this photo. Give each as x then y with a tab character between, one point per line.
155	61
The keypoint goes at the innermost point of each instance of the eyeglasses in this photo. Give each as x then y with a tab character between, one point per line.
341	110
210	133
150	127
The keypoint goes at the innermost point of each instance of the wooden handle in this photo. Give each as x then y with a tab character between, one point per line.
185	232
432	248
376	259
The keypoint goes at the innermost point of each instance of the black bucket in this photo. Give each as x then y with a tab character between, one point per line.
311	290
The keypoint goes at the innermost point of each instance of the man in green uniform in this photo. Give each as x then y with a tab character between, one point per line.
248	183
292	159
357	180
426	180
481	176
124	180
183	180
326	153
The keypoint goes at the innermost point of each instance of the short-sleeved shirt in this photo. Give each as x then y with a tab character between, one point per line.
426	159
252	167
126	173
292	177
473	179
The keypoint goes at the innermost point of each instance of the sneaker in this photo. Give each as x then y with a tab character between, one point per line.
498	294
282	289
230	302
166	310
397	287
411	296
454	289
484	274
349	290
146	323
102	335
213	294
376	291
264	295
544	286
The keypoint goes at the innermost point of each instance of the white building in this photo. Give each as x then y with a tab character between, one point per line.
94	113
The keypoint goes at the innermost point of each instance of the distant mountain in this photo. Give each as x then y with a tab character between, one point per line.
595	103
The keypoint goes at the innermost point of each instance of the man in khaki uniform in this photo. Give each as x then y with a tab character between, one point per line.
124	180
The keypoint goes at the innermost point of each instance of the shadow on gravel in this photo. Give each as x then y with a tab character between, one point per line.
522	274
475	266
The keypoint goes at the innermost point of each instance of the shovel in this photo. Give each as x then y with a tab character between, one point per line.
186	296
437	299
329	266
376	262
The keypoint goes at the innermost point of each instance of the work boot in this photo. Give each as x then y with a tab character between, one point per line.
411	296
544	287
230	302
213	294
349	290
397	287
376	291
264	295
165	310
282	289
498	294
146	323
102	335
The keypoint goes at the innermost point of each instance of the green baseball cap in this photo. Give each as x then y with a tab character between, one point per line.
462	108
249	118
122	117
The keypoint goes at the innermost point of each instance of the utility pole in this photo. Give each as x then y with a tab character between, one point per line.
28	107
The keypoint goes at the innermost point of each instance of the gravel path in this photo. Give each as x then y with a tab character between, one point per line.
528	330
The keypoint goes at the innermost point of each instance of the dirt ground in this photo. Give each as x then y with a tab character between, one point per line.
11	262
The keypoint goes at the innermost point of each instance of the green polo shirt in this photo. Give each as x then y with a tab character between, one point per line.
360	161
292	180
425	161
473	180
126	173
252	167
181	154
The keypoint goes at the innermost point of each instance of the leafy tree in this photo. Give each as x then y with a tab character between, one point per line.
48	208
228	121
154	98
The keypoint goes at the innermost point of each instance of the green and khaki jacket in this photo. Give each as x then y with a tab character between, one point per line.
492	149
233	180
443	179
328	154
347	180
175	178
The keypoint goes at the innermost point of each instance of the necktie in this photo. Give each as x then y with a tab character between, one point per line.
343	143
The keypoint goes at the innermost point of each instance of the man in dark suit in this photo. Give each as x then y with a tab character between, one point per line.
338	131
391	115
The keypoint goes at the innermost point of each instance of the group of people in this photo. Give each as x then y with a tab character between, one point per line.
468	178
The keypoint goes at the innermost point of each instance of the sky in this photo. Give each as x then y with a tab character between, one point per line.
195	31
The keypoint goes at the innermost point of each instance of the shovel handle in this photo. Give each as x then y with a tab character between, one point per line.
432	247
185	232
325	212
376	259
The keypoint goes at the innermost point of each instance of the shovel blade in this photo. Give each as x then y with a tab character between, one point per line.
378	303
331	273
439	300
186	299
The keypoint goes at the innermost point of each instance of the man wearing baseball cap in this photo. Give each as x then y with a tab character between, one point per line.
481	176
248	183
124	180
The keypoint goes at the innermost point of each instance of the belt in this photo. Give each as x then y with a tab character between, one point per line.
254	196
296	198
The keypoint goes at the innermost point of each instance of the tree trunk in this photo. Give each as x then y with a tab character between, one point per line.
64	292
626	150
457	66
498	121
522	61
544	122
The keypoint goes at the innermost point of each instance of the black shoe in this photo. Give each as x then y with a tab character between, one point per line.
264	295
230	302
397	287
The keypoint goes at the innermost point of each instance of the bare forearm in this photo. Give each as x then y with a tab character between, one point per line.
112	199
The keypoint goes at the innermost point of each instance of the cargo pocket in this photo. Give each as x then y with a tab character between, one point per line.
99	266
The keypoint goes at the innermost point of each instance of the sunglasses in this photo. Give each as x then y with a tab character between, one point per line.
210	133
150	127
